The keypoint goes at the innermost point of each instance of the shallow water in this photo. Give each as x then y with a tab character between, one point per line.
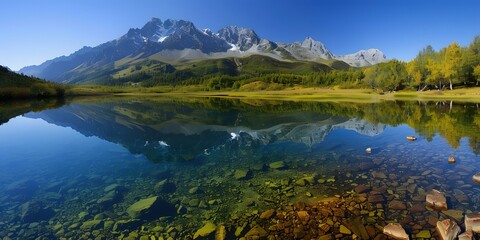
74	171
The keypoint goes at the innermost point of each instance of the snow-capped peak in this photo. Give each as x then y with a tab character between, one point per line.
364	57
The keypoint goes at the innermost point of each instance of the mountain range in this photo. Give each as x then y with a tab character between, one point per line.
171	41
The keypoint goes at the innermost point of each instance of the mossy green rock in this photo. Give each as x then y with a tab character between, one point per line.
92	225
205	231
277	165
424	234
126	225
241	174
150	208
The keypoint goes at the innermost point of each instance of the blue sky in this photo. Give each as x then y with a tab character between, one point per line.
34	31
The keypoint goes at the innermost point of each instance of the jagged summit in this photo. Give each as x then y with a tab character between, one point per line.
181	39
363	58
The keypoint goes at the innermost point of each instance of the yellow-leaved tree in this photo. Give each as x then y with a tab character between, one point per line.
476	73
451	63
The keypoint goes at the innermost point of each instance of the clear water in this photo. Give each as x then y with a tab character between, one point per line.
63	167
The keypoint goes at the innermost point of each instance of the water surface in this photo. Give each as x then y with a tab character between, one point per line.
73	171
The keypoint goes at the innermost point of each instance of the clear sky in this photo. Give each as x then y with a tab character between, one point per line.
32	31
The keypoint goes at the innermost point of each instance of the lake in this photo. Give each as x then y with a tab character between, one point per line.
190	168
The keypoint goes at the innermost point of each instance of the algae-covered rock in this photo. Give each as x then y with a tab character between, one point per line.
242	174
277	165
126	225
256	231
165	186
205	231
92	225
34	211
109	199
151	208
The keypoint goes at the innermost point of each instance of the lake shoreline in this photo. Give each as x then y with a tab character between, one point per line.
323	94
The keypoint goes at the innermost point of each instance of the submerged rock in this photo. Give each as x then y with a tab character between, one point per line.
476	178
109	199
165	186
436	200
151	208
256	231
447	229
277	165
395	231
22	190
126	225
220	233
356	226
411	138
267	214
468	235
472	222
242	174
34	211
92	225
205	231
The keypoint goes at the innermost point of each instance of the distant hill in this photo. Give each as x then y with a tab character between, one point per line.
14	85
174	42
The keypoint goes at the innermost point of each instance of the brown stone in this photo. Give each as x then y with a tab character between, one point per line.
476	178
447	229
298	232
361	188
436	200
397	205
379	175
395	231
472	222
375	198
417	208
366	165
303	216
326	237
381	237
468	235
432	220
267	214
357	227
256	231
371	230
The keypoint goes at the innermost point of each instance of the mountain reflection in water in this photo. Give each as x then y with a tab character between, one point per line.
78	170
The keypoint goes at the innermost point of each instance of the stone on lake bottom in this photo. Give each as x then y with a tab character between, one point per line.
436	200
277	165
424	234
256	231
397	205
151	208
205	231
345	230
476	178
468	235
267	214
447	229
241	174
220	233
395	231
472	222
456	214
